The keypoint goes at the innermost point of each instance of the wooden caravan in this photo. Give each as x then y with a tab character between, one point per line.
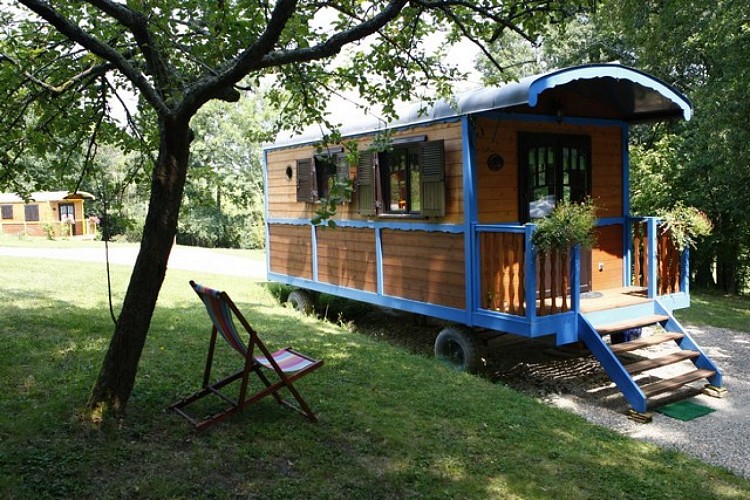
55	212
441	222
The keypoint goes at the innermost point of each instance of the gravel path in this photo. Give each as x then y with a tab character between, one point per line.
566	379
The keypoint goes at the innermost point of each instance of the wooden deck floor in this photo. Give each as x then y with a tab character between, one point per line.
613	298
601	300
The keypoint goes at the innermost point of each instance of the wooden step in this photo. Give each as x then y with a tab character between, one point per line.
670	359
631	323
674	383
647	342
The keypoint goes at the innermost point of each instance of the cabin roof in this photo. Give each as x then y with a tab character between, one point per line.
47	196
606	91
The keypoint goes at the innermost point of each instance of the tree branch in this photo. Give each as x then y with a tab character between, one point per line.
333	45
93	70
225	78
76	34
137	23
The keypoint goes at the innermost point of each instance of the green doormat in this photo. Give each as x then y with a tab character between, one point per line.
684	410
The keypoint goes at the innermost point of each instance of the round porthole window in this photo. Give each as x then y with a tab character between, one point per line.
289	172
495	162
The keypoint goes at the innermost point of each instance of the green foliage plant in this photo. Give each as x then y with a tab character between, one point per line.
685	225
567	225
49	231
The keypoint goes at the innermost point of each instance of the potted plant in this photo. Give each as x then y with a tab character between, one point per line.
567	225
685	225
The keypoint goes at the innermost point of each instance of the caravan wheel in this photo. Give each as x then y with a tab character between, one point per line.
301	301
459	349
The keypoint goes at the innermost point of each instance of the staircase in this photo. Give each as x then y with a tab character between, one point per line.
594	327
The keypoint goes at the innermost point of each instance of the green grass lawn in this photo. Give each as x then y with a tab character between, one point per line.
715	309
392	424
25	241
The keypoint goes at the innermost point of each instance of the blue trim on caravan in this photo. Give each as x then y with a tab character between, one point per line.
267	228
529	278
373	224
627	238
471	267
616	74
379	260
413	306
314	249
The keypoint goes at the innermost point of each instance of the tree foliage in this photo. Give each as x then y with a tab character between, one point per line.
66	67
701	48
223	205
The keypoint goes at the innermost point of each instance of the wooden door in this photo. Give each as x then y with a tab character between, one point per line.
554	168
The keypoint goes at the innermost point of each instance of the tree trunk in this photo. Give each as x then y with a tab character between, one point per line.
117	375
702	260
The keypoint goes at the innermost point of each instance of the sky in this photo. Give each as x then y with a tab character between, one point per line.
462	55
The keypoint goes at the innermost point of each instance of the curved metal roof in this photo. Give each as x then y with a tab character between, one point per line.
609	91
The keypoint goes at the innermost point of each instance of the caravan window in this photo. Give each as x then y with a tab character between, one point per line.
7	211
328	169
554	167
316	176
401	175
411	179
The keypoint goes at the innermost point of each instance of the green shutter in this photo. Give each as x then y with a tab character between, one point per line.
306	180
433	179
342	166
366	183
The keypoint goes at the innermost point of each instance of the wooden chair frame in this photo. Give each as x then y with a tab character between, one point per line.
221	309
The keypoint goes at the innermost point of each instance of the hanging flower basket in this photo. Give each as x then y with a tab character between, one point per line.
567	225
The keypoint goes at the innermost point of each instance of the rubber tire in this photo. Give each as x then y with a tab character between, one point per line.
459	349
301	301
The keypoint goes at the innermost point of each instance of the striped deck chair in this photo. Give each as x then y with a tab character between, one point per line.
284	366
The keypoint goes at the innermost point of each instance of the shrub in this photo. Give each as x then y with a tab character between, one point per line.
567	225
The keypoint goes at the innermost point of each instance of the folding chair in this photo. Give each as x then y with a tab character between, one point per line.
287	365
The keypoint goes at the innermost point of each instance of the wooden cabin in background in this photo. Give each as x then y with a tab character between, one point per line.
54	210
441	221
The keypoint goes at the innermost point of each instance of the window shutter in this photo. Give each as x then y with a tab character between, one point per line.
306	181
433	179
342	167
366	183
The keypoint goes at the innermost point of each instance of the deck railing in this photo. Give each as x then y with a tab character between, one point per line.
657	264
502	255
509	280
553	278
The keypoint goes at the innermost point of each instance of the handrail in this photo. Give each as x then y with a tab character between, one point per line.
501	228
657	264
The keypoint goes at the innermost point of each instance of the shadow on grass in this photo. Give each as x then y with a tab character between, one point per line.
392	424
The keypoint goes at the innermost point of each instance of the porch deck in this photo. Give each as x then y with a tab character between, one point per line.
613	298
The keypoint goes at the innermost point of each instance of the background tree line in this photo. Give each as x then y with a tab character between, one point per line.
698	47
701	48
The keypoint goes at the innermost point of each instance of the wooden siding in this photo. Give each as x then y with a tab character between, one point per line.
497	192
424	266
290	248
282	191
608	251
48	215
346	257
